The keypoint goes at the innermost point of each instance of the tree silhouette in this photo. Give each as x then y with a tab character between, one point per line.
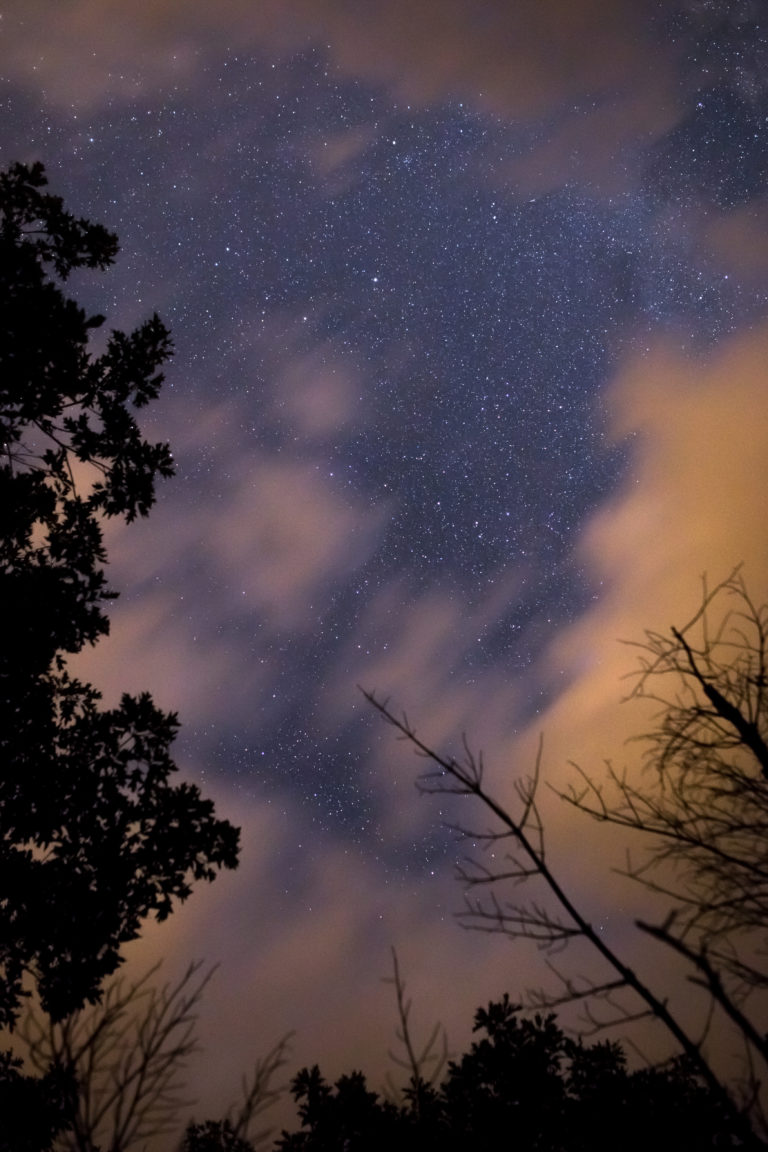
129	1054
525	1084
214	1136
95	836
702	804
33	1110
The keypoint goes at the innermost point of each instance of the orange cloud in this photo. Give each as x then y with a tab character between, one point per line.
693	504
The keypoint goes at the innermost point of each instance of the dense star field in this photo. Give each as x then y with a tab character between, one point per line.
469	312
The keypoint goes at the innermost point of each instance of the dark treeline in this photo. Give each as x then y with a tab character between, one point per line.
524	1084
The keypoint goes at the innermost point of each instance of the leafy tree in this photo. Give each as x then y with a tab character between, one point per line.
528	1077
214	1136
351	1117
702	805
94	835
33	1110
526	1083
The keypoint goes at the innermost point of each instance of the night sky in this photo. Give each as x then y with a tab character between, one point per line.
470	310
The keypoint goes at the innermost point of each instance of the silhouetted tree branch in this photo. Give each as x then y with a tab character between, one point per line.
235	1132
94	835
424	1064
129	1053
259	1094
701	804
552	920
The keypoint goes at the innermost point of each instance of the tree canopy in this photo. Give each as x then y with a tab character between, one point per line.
94	835
524	1083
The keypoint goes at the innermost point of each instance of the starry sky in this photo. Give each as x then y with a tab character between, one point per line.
470	309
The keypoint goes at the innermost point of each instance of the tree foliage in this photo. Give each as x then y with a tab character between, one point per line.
94	836
214	1136
34	1110
524	1082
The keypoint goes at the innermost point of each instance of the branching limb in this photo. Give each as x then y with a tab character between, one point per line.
260	1094
710	979
424	1065
129	1054
532	921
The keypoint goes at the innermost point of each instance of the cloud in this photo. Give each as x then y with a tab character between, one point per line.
316	394
589	145
247	550
514	60
692	506
333	157
427	51
153	645
286	530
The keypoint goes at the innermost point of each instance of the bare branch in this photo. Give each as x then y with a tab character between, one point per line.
704	812
533	921
710	979
424	1064
701	805
259	1094
129	1053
